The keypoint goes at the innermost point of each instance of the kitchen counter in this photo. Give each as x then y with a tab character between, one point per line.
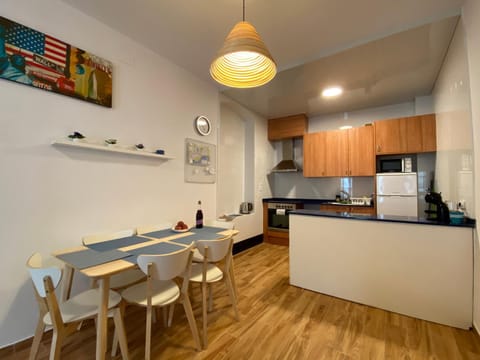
398	264
309	201
470	223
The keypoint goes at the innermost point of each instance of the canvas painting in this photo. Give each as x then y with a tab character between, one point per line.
33	58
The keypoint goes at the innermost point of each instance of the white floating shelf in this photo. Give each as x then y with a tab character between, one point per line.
110	148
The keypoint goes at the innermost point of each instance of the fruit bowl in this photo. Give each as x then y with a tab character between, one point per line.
180	227
180	230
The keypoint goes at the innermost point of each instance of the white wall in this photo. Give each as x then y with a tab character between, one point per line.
471	20
451	95
52	196
231	162
259	152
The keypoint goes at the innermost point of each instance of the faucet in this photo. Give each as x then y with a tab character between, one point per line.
346	195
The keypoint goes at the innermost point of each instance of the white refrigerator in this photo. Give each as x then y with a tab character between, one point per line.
397	194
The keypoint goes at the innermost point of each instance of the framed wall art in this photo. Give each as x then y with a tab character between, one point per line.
200	162
33	58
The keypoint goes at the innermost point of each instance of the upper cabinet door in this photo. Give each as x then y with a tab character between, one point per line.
336	156
361	151
390	136
314	147
287	127
414	134
429	132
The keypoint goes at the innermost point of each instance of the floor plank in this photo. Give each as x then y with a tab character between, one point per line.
277	321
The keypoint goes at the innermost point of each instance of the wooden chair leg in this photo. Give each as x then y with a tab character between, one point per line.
120	333
165	316
210	298
148	333
204	314
37	338
170	314
121	308
114	342
231	294
56	347
191	321
232	277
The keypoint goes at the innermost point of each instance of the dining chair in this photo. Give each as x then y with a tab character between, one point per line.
227	225
215	254
161	288
125	278
66	317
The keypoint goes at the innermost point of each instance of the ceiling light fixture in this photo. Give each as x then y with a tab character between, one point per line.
332	91
243	61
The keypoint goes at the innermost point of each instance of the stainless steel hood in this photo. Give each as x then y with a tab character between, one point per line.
287	164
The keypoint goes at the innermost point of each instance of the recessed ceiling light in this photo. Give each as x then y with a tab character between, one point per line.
332	91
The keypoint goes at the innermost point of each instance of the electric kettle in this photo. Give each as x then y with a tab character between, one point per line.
246	207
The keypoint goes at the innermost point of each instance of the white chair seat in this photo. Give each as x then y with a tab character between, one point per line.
83	306
126	278
213	273
163	293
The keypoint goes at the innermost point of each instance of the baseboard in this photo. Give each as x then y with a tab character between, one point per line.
247	244
475	330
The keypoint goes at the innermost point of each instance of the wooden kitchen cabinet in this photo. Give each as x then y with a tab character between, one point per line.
361	154
414	134
287	127
348	208
339	153
314	149
390	136
336	153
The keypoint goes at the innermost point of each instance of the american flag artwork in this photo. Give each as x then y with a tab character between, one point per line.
33	58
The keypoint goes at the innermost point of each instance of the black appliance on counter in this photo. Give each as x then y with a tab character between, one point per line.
278	215
437	209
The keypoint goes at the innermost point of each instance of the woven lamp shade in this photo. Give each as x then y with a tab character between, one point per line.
244	61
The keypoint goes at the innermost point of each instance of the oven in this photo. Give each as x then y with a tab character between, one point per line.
278	215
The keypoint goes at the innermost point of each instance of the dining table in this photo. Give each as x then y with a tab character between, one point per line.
99	261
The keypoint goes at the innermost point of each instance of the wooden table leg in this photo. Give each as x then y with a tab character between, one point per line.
67	283
102	318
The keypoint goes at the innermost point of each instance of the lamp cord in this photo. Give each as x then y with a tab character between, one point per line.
243	10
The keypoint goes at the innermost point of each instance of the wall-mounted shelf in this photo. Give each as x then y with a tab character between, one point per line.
110	148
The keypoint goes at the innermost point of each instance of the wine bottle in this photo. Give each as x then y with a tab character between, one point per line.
199	216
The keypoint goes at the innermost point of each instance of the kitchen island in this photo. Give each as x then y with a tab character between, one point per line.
406	265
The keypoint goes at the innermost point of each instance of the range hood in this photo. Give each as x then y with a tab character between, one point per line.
288	163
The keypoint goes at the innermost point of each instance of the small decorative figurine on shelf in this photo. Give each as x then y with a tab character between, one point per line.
139	146
110	141
76	136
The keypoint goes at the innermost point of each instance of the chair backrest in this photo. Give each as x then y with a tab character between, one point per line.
152	228
165	266
38	273
217	249
96	238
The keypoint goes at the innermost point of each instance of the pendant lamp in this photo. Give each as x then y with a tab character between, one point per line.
243	61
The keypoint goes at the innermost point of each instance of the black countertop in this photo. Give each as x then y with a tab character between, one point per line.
470	223
307	201
296	200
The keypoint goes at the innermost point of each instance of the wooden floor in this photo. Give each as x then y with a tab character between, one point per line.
279	321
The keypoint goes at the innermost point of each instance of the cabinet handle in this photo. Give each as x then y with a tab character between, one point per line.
378	148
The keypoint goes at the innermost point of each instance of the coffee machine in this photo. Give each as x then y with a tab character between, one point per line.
437	209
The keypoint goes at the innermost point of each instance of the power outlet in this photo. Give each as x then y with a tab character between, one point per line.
461	204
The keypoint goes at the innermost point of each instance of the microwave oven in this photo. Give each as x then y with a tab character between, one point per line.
396	163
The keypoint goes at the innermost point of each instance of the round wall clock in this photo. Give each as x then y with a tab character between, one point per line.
202	125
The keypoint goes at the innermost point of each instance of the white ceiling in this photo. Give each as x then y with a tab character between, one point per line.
307	38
